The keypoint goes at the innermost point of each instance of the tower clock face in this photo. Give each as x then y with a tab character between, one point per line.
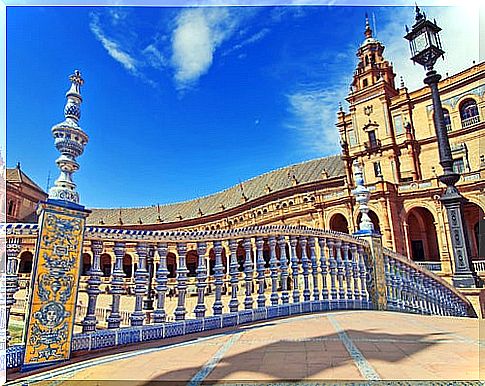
420	42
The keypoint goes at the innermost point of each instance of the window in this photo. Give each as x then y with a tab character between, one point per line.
10	207
365	83
398	127
447	119
469	113
352	139
377	169
459	165
372	138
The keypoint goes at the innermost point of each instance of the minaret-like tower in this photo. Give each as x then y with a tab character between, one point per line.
70	140
372	66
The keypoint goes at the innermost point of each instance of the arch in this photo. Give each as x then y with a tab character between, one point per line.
338	222
241	255
106	264
447	119
473	214
86	264
128	265
171	264
422	235
26	259
374	218
192	259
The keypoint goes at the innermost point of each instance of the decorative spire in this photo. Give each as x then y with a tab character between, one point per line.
70	141
402	82
419	16
368	30
362	196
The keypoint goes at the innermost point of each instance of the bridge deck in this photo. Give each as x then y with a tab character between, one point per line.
350	345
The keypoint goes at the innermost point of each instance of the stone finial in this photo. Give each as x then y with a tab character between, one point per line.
70	141
362	196
368	30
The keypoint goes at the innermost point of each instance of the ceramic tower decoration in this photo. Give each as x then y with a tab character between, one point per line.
57	260
70	140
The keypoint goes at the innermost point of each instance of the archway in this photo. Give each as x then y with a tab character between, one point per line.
26	259
106	264
339	223
86	264
473	215
191	262
373	218
128	265
422	235
171	264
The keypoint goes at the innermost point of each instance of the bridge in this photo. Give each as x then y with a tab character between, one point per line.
276	286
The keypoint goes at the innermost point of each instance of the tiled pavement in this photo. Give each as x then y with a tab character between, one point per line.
354	345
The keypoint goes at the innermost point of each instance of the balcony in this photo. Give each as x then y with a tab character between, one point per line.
479	265
470	121
448	127
372	146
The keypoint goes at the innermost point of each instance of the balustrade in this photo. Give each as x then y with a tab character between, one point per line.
337	263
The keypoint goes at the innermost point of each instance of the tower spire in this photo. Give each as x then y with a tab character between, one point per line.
70	141
368	30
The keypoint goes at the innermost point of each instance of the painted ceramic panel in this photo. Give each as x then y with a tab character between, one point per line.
55	282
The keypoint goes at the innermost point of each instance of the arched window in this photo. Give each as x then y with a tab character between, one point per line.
447	119
10	207
469	113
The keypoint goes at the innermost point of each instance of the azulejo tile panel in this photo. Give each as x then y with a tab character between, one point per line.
54	281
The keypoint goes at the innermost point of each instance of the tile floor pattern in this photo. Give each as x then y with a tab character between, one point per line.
348	345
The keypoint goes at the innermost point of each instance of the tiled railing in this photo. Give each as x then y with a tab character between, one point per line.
311	270
478	265
430	265
411	288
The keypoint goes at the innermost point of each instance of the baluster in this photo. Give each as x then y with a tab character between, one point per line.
306	272
160	315
201	272
218	278
333	270
426	299
355	271
13	248
141	284
410	288
116	286
261	299
323	267
398	284
404	289
363	282
431	299
248	272
393	283
234	266
285	296
387	273
294	268
273	264
340	273
94	281
313	260
182	271
348	270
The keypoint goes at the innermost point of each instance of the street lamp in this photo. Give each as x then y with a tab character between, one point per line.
426	48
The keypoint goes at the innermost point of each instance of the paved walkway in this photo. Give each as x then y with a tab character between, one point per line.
351	345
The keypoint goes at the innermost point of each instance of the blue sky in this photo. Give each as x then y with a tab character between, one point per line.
184	102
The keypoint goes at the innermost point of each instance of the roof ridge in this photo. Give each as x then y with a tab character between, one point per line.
220	191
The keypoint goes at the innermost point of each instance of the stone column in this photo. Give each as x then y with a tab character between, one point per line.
273	263
261	299
248	271
313	260
340	272
333	269
201	272
94	281
306	273
160	315
218	278
294	268
141	283
348	270
285	296
234	272
116	286
182	271
355	270
11	278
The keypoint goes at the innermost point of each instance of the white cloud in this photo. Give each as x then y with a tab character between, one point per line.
198	34
314	111
460	39
250	40
112	47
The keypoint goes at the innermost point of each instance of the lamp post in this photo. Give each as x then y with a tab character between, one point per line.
426	48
